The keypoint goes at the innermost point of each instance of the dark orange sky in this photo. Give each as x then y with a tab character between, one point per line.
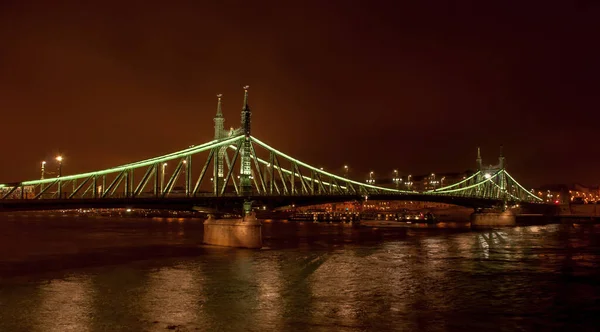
372	84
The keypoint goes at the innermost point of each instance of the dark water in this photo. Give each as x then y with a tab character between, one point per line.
68	274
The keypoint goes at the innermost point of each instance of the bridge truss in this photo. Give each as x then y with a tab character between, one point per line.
236	164
271	173
493	184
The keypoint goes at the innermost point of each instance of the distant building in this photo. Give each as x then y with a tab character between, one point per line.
28	192
564	194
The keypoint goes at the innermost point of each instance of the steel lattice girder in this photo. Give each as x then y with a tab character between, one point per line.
495	186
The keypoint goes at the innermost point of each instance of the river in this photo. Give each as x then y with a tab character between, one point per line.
65	273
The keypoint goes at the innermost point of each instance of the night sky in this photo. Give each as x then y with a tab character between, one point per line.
372	84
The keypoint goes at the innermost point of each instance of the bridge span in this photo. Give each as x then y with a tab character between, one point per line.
236	167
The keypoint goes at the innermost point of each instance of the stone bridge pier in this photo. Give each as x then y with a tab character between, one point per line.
245	232
493	218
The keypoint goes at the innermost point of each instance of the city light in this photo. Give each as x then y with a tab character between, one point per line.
371	180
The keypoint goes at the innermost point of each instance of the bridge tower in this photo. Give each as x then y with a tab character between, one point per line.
501	166
495	174
219	153
246	150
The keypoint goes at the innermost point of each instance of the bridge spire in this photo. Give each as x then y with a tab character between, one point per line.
501	158
479	160
219	111
245	97
219	120
246	113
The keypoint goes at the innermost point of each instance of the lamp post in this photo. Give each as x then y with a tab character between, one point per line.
162	178
59	159
43	169
59	191
346	171
370	180
267	177
42	176
187	178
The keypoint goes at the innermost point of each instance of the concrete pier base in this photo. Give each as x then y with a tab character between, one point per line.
493	219
239	233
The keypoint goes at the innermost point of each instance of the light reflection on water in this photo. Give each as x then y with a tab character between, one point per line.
313	277
174	295
68	302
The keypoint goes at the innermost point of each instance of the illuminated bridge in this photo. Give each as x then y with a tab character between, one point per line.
236	167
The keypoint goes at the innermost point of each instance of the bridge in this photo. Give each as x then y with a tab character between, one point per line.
236	168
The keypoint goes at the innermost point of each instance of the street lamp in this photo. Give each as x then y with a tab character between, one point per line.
59	159
370	180
42	177
346	170
162	178
43	169
187	178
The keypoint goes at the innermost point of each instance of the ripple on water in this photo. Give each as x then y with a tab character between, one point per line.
145	276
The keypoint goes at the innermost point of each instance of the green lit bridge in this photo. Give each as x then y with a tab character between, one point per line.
236	167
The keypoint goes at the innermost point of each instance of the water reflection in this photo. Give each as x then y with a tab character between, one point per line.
64	305
173	297
491	239
271	286
328	278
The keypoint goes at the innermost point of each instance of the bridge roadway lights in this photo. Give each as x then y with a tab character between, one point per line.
485	219
245	232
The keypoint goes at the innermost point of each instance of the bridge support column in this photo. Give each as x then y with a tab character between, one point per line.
493	219
245	232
